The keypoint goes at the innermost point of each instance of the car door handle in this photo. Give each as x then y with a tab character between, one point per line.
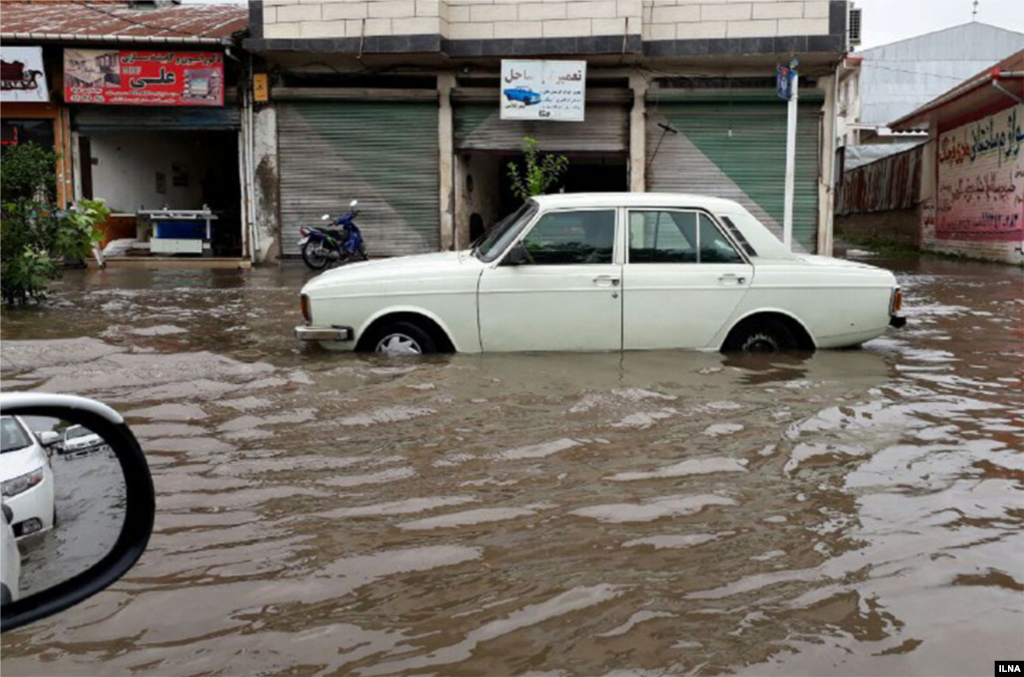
606	281
732	277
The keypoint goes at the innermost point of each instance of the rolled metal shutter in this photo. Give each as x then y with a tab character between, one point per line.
89	119
383	153
478	126
734	146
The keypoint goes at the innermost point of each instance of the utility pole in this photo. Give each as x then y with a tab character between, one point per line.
787	218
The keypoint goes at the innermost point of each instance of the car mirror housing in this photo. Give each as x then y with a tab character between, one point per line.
516	256
98	496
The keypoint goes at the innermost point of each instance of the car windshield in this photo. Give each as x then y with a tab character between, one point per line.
504	232
75	431
12	435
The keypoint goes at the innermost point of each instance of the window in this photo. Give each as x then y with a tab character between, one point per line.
565	238
662	237
677	237
737	235
714	247
12	435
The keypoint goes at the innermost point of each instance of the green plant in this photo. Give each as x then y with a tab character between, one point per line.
35	236
540	171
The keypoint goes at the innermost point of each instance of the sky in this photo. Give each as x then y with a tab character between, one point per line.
885	21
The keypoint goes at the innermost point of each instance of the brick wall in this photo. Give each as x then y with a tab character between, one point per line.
897	226
503	19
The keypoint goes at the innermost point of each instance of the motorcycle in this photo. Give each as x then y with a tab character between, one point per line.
326	246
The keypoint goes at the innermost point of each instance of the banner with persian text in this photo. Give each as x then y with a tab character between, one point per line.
543	90
981	180
143	78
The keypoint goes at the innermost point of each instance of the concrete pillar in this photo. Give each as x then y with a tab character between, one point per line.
266	186
638	135
446	148
826	160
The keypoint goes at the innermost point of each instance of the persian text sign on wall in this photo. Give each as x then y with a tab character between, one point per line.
543	90
134	78
22	77
981	180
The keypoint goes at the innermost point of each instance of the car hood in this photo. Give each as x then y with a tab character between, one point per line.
86	441
831	262
16	463
416	266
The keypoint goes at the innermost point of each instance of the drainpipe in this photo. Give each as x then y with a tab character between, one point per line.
1007	92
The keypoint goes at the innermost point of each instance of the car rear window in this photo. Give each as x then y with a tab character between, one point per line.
738	236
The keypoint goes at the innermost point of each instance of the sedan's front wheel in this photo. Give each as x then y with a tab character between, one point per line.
403	338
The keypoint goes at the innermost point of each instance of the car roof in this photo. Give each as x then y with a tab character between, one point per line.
636	200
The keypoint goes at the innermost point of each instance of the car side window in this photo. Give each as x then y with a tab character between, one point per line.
663	237
714	247
565	238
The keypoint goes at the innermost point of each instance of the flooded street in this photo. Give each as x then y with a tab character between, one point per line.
850	513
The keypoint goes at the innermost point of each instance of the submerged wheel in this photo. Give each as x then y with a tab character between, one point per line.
403	338
314	256
764	336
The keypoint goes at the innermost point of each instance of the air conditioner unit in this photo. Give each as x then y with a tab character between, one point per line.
854	26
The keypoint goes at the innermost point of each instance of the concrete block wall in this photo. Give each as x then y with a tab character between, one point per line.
701	19
503	19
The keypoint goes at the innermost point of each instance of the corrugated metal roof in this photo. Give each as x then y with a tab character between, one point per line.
117	21
897	78
858	156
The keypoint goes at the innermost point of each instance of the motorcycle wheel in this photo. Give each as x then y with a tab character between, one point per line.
362	253
313	255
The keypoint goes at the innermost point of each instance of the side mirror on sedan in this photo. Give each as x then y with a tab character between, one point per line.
48	438
516	256
75	523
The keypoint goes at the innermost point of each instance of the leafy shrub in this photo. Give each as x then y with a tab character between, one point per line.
35	236
540	171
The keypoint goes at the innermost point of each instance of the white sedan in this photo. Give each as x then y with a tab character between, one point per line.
605	271
27	478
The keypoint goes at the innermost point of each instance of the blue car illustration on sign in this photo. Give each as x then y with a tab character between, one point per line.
524	95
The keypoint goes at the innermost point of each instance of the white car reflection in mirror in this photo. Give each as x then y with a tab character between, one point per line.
605	271
27	478
79	440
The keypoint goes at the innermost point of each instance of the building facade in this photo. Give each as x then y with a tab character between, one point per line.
397	103
971	196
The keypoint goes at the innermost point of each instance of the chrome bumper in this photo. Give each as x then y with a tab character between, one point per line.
305	333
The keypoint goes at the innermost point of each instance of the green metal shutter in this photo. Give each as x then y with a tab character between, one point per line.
383	153
480	127
736	148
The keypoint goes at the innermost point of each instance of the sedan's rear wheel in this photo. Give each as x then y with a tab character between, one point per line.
764	336
403	338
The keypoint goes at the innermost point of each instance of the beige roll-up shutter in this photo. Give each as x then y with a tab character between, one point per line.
383	153
479	127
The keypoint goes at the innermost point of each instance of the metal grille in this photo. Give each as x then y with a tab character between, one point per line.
737	150
384	154
480	127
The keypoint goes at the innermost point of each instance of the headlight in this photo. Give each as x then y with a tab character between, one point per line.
13	487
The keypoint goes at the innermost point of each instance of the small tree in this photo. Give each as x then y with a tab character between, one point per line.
36	236
540	171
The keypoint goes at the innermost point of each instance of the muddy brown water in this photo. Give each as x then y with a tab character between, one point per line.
854	512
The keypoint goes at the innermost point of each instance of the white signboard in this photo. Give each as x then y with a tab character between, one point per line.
22	77
543	90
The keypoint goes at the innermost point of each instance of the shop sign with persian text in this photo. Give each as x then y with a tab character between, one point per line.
22	77
543	90
137	78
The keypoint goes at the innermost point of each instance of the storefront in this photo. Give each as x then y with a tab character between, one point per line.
30	113
155	130
379	147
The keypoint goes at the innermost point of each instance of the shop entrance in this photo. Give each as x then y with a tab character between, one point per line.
485	191
137	171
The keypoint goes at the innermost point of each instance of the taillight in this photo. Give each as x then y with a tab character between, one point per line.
304	304
896	304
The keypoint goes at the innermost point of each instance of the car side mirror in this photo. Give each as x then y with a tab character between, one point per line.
76	521
48	438
516	256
